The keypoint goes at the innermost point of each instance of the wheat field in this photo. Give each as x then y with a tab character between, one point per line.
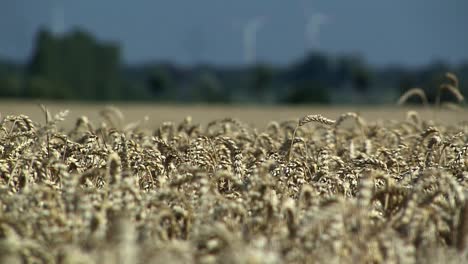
152	116
174	184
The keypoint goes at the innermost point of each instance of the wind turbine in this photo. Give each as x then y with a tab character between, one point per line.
313	26
249	33
57	19
314	21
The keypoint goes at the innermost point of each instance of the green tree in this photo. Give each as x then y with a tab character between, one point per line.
108	81
308	92
159	81
315	67
262	79
39	87
352	70
361	79
208	89
10	86
75	66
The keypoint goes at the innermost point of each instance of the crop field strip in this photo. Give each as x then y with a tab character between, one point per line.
309	190
316	189
152	116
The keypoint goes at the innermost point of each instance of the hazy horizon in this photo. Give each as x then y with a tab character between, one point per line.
210	31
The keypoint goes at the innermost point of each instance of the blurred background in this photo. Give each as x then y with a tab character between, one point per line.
245	52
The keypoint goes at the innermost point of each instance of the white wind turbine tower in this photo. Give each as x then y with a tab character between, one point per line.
57	18
250	32
313	26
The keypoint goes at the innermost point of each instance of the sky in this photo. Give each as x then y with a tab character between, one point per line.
228	32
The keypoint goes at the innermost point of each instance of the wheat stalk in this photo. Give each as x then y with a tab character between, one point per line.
413	92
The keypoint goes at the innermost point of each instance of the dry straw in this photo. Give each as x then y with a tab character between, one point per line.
228	193
308	119
413	92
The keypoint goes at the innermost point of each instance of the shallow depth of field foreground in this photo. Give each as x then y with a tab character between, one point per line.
317	189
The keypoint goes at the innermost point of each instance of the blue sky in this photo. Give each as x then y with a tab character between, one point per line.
411	32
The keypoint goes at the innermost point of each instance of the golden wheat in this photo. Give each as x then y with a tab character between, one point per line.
307	191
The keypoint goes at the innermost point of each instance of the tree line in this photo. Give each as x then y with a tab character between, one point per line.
76	66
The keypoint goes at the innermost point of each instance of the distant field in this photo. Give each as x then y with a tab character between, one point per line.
258	116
